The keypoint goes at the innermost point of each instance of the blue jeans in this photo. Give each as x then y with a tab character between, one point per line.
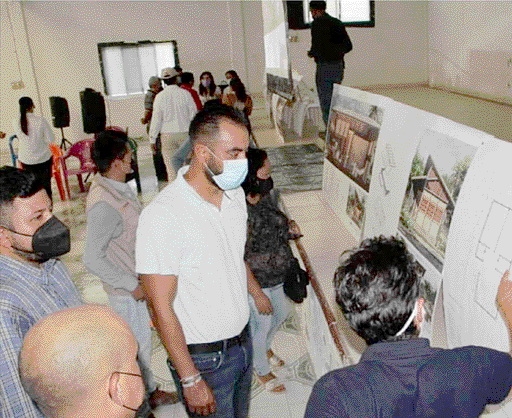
180	156
229	374
264	327
327	73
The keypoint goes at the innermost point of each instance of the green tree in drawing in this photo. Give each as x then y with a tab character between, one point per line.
418	168
459	172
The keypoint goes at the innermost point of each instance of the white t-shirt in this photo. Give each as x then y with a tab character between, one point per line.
33	148
181	234
173	110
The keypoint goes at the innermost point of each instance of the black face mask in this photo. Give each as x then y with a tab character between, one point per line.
265	185
50	240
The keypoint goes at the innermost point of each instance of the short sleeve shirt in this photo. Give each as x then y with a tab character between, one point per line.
183	235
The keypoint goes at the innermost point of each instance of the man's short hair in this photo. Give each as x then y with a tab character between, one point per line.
376	286
170	81
318	5
14	183
109	146
205	125
153	79
186	77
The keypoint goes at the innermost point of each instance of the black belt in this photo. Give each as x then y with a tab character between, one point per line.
220	345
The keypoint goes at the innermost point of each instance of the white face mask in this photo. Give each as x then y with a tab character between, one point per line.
409	320
233	174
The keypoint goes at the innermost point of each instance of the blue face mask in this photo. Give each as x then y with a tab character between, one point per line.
233	174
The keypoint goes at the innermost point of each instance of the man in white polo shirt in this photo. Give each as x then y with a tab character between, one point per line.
189	252
173	109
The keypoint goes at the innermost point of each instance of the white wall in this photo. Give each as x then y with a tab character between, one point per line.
395	51
63	38
471	47
13	38
466	44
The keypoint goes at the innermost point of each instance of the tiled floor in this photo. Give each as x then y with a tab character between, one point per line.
290	344
324	239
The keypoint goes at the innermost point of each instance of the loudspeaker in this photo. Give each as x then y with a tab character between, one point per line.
94	116
60	112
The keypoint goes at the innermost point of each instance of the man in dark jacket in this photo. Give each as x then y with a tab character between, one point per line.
401	375
329	43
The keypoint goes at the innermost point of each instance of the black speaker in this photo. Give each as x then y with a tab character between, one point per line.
94	116
60	112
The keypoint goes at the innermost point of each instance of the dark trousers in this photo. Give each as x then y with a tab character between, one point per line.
43	171
158	159
158	162
327	74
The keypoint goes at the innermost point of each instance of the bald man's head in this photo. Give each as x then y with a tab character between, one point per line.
68	360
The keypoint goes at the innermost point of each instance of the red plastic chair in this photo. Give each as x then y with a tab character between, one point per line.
57	170
82	151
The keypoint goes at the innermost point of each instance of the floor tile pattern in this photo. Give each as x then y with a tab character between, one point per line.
290	342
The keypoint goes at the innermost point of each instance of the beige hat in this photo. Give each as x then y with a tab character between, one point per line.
168	72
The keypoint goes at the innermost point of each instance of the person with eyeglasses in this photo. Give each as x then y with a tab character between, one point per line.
82	362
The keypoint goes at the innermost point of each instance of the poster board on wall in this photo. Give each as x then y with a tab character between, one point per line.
436	176
407	182
352	138
479	251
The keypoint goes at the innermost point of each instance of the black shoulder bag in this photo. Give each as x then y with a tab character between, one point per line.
295	283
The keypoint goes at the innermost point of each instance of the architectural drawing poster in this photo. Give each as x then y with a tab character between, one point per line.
437	175
353	133
391	168
479	251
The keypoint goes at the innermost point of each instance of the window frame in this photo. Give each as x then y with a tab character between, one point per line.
122	44
296	12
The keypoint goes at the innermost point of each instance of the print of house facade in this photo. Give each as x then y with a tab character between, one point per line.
352	144
432	203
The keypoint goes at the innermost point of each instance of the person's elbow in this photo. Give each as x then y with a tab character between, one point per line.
91	259
88	261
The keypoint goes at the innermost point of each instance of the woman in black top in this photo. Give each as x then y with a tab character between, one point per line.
269	257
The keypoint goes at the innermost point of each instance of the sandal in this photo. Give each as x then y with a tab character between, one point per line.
276	361
274	385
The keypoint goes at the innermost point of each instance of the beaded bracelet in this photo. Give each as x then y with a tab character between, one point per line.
192	383
188	382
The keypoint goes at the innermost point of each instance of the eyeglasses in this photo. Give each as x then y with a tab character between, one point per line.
123	405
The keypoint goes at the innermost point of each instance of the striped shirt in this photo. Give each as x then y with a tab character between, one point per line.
27	293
